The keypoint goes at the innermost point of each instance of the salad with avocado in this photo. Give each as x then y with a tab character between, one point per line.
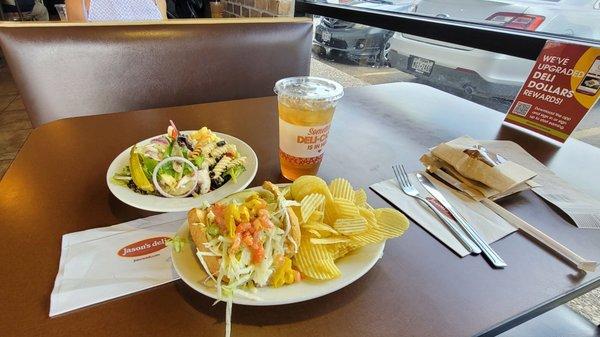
177	165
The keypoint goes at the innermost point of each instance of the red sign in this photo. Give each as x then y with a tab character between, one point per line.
562	87
143	247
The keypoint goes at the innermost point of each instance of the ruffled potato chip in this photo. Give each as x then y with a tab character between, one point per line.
360	198
339	250
341	188
310	204
316	261
306	185
335	221
345	209
367	237
369	216
317	216
319	226
328	241
350	226
391	223
315	232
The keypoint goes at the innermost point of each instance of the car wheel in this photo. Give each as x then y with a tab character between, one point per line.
319	51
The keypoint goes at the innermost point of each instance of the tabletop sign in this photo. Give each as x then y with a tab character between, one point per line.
562	87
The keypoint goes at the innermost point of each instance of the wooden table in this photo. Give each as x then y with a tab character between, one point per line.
420	288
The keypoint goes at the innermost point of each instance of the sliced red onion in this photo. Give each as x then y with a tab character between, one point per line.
166	161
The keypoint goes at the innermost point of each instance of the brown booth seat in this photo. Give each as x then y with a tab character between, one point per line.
66	70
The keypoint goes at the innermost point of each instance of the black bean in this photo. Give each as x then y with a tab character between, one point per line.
221	143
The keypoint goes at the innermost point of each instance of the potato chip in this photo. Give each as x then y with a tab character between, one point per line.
319	227
350	226
391	223
367	237
330	213
341	188
306	185
315	232
345	209
317	216
286	192
369	215
316	261
329	240
339	250
360	197
309	204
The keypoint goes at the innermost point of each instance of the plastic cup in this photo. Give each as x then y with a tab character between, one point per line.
306	106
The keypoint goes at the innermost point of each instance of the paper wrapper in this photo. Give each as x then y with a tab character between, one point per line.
479	170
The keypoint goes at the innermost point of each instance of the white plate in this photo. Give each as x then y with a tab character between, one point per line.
352	266
162	204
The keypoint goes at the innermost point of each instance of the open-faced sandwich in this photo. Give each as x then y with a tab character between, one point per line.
272	237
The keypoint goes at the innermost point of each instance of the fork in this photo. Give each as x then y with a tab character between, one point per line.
407	187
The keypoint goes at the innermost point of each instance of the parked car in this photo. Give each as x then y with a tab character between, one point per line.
484	73
353	41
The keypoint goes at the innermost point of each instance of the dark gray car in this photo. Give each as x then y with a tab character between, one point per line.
353	41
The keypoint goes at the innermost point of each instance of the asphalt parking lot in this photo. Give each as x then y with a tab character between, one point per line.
353	75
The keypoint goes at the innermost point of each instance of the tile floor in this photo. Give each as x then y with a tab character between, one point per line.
15	127
14	122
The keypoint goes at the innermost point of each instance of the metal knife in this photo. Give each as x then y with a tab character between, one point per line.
494	258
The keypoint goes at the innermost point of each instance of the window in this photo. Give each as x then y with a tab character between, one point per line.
356	54
565	18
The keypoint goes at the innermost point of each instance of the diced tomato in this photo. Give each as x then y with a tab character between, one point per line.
219	212
258	253
243	227
247	239
256	225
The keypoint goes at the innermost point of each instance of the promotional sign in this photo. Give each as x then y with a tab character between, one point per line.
562	87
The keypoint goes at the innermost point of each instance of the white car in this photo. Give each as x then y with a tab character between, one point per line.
480	72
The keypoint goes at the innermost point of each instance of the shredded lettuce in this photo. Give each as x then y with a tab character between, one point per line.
169	149
198	161
235	172
122	178
148	165
176	242
213	230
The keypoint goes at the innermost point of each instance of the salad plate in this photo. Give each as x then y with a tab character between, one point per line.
157	203
352	267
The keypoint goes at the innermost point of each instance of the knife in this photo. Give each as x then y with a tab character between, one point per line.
487	251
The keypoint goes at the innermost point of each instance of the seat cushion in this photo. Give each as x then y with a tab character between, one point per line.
65	70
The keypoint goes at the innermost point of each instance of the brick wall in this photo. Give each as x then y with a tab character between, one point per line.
258	8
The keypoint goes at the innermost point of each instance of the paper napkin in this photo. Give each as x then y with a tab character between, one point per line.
100	264
491	226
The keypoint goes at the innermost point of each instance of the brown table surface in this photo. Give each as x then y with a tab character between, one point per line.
56	185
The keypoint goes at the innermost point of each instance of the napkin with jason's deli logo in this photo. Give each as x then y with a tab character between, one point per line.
478	170
100	264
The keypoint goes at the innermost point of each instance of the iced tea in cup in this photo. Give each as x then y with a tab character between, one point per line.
306	106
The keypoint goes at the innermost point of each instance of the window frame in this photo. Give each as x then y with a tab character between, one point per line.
508	41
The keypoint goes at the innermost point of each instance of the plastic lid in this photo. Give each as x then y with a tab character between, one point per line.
309	88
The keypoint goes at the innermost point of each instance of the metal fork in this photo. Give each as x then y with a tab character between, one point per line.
408	189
